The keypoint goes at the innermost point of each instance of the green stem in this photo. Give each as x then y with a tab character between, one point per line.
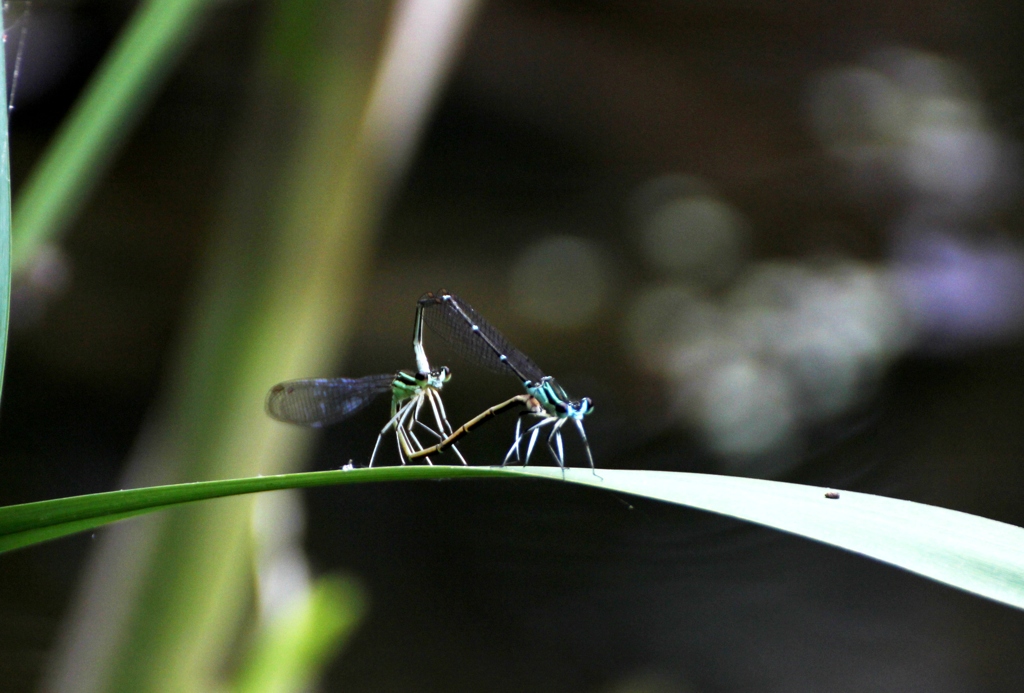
5	222
90	135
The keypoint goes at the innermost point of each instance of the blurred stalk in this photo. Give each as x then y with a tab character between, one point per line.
292	647
103	116
163	597
5	221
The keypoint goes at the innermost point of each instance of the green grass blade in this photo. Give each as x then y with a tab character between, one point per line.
101	118
5	222
971	553
28	537
51	519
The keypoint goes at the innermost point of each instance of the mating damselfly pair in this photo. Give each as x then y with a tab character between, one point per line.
318	402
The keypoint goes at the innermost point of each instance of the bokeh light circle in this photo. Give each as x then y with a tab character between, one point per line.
559	282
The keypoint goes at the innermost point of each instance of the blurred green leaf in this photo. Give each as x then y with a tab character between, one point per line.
972	553
277	296
292	649
5	223
102	117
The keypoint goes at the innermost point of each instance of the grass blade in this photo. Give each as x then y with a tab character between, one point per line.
5	222
972	553
29	523
981	556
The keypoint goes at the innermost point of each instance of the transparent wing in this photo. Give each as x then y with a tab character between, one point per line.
318	402
454	321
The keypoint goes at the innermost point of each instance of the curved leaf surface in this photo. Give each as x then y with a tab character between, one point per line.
972	553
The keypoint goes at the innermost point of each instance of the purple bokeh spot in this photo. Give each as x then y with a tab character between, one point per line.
960	294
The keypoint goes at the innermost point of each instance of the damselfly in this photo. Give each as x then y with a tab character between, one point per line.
476	339
318	402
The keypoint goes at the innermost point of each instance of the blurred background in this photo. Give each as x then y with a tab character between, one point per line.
771	239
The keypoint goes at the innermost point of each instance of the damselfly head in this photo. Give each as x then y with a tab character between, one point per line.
553	398
430	298
574	409
439	376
